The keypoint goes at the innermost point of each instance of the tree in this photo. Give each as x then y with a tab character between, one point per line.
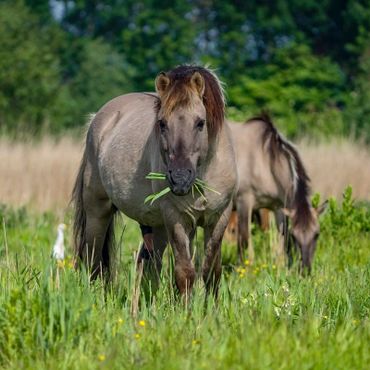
29	68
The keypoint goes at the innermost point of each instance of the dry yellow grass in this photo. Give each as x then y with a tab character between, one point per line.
42	174
38	174
334	165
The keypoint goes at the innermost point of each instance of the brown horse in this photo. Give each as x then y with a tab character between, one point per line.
179	131
272	176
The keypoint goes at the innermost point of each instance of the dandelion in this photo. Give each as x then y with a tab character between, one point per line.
137	336
247	262
101	357
241	271
120	321
142	323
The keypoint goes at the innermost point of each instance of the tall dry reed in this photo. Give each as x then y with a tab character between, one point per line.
38	174
336	164
41	174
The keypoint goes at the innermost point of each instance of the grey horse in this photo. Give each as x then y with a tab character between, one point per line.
179	131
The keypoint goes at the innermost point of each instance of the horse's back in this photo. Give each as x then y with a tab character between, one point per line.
254	163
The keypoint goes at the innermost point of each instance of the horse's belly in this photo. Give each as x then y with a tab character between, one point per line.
129	199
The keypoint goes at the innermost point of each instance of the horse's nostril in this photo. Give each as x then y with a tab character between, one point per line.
179	175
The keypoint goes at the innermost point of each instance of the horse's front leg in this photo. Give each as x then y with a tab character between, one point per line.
179	234
213	234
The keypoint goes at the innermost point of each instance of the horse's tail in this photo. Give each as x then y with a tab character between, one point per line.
81	253
79	223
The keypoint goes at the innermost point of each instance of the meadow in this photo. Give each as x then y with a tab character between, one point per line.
266	316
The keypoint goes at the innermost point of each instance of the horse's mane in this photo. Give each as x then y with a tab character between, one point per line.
278	146
180	93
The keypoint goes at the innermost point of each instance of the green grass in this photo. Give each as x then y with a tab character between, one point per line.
265	318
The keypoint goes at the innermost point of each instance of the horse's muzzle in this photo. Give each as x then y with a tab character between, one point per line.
181	180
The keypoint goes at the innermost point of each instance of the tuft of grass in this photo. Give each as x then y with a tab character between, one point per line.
198	186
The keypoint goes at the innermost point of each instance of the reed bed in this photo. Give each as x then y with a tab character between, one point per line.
41	174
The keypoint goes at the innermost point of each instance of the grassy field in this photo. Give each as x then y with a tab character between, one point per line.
266	317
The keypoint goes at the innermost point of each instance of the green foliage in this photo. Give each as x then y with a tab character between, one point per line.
304	61
297	88
358	111
347	218
102	75
29	67
160	36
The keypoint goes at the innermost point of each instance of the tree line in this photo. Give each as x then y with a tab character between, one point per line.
305	61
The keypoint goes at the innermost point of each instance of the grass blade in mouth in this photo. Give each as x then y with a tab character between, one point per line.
155	176
198	186
153	197
204	185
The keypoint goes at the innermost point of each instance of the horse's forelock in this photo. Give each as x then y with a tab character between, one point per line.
181	93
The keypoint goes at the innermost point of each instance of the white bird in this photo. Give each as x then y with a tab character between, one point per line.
58	249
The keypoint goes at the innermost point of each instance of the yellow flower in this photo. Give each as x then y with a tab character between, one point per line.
325	317
274	267
194	342
137	336
61	263
264	266
247	262
120	321
101	357
142	323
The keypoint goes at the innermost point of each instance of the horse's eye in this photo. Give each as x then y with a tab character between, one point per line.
162	125
200	124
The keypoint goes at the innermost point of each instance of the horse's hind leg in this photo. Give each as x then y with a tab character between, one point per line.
99	235
284	246
94	221
213	235
245	209
153	265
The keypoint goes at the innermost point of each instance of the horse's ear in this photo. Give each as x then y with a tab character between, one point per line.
321	208
197	82
287	212
161	83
